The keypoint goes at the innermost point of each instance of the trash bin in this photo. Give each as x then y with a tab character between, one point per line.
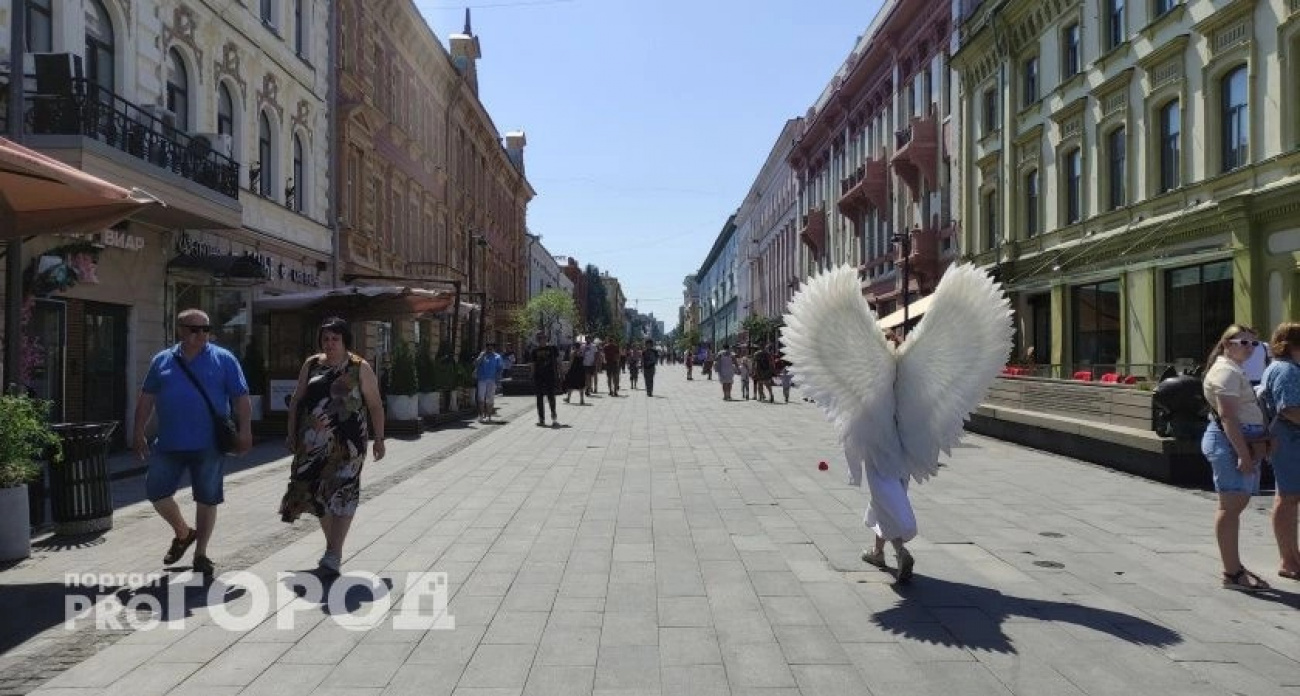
81	498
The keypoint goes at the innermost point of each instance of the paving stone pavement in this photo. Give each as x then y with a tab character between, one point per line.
684	545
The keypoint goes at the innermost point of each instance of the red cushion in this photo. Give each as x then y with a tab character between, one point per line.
1110	378
1083	376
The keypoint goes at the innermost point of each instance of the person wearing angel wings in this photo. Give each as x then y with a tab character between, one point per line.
896	407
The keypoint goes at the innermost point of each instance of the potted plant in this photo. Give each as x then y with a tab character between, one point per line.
403	385
426	375
24	436
254	365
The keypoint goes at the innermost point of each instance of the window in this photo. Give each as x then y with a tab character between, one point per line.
225	111
1164	7
299	190
1029	86
100	64
299	29
1170	135
1115	33
40	26
1095	323
990	111
1031	203
264	155
991	219
1116	169
1236	119
1073	186
268	13
178	89
1198	304
1070	58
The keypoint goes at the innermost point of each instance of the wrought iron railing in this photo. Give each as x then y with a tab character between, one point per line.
902	137
848	182
95	112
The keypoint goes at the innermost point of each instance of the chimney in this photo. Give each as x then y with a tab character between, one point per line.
515	142
465	52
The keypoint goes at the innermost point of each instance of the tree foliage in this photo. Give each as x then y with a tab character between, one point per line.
687	340
760	329
599	322
544	312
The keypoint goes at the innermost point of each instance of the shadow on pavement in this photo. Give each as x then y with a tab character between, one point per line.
956	614
80	602
337	594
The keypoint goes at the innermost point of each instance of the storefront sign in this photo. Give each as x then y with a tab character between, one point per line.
281	392
274	267
121	240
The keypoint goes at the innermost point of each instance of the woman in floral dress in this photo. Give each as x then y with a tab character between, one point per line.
331	415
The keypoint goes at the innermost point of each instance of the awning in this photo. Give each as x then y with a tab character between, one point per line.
360	303
41	195
914	310
226	266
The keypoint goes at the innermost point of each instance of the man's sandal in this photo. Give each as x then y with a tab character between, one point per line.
875	558
1243	581
179	546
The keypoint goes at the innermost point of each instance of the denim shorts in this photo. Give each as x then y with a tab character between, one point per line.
1223	460
206	471
1286	460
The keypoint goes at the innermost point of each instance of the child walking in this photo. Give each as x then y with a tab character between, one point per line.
786	379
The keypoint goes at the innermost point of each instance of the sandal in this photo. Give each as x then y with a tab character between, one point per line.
875	558
179	547
205	567
905	563
1289	574
1244	581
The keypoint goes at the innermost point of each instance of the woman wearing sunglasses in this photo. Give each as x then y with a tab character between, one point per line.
1235	419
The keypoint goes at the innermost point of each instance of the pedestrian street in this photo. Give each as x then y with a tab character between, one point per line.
684	545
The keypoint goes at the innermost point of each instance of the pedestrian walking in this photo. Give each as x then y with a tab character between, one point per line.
189	386
1235	419
1280	387
633	366
576	376
786	380
764	369
488	367
590	354
612	356
649	359
743	372
690	365
726	364
334	411
546	377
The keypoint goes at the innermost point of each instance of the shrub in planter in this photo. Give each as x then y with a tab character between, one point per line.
25	436
403	384
426	376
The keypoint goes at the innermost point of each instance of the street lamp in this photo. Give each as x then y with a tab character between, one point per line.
905	239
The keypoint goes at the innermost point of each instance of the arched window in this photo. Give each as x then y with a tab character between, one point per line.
299	188
40	26
225	111
100	63
264	156
178	89
1235	119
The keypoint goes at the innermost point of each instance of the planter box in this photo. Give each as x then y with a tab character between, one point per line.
429	403
403	408
15	525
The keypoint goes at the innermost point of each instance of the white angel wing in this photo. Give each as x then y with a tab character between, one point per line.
840	358
947	364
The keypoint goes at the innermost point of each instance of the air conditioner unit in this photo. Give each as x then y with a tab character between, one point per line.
221	143
56	72
164	115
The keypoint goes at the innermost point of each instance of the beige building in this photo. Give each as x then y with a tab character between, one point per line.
1132	173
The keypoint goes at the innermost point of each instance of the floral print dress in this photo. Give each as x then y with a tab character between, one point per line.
333	430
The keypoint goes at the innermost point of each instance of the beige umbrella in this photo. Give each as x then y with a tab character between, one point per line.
41	195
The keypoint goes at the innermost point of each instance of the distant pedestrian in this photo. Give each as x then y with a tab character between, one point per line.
612	356
649	359
743	372
488	367
786	380
764	370
1235	418
633	366
590	354
184	384
726	364
690	365
546	377
576	377
334	410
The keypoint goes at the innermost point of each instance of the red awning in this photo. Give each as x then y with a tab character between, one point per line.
41	195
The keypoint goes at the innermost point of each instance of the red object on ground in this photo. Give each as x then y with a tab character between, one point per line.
821	466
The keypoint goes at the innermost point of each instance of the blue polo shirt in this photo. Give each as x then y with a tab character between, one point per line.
489	367
184	423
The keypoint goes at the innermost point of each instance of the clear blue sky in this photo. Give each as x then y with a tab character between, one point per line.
648	120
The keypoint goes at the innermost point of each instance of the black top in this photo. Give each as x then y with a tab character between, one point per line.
649	358
546	362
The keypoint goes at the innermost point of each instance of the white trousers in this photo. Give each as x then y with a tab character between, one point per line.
889	511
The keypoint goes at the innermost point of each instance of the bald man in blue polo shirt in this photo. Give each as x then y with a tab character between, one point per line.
186	439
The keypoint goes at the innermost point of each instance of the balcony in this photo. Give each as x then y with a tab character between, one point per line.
916	154
813	230
865	188
93	112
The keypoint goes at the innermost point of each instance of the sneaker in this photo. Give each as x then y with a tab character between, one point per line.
330	563
541	423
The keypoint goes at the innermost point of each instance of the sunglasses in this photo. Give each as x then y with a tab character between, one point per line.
205	328
1244	342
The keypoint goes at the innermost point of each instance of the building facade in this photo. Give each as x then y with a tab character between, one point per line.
578	283
719	303
688	316
544	274
775	260
1131	172
220	113
873	160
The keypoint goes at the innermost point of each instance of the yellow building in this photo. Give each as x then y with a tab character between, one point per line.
1132	173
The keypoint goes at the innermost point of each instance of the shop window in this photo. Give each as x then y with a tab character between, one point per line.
1095	314
1198	306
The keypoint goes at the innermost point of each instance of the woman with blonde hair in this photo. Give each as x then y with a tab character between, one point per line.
1281	390
1235	420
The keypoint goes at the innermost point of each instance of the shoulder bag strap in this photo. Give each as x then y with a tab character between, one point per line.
180	360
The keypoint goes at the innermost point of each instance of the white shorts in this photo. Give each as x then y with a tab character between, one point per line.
487	390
